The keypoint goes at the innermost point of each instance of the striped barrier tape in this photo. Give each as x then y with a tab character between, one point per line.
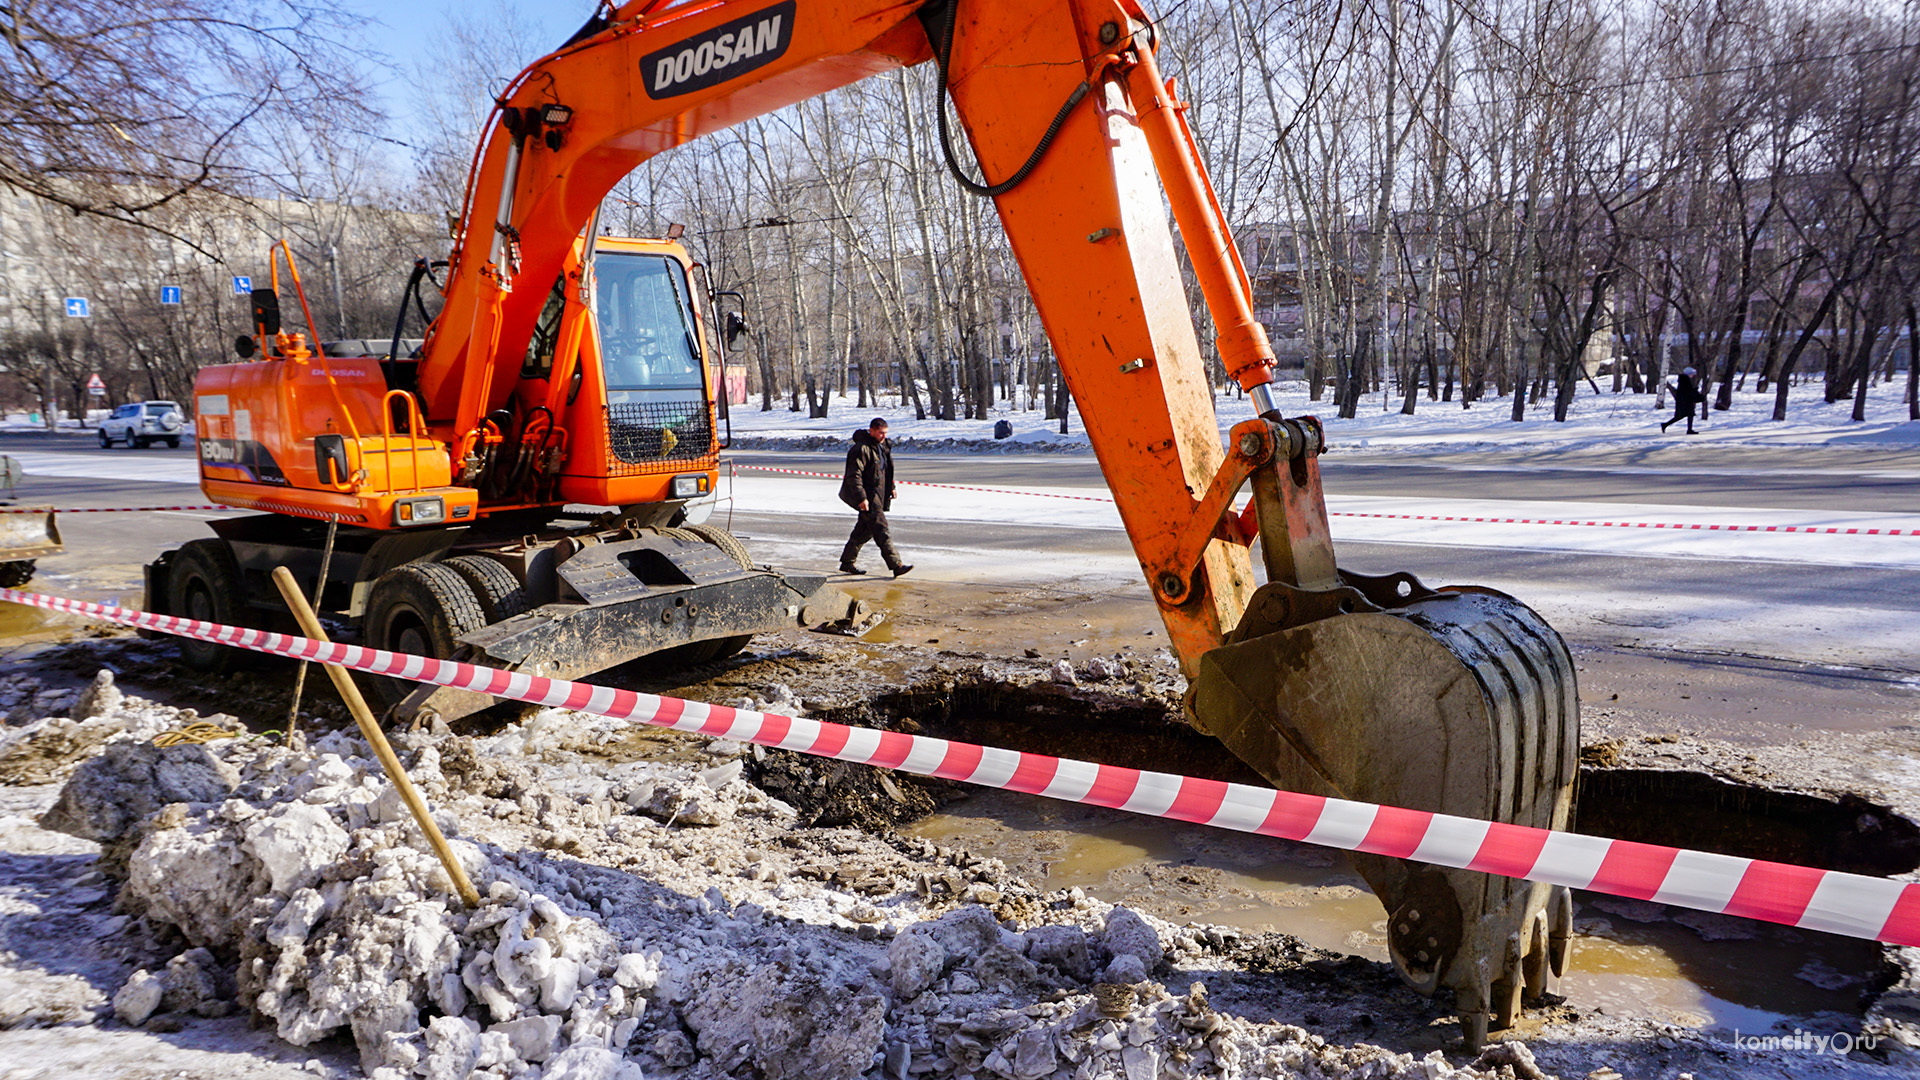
101	509
1812	529
1799	896
923	483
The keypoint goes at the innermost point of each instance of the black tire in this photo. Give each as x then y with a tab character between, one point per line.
106	440
418	608
723	540
707	652
15	574
135	443
204	583
173	443
501	595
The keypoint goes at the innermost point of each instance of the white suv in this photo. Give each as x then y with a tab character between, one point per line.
142	424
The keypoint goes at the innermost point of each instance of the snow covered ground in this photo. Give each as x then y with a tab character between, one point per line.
1613	420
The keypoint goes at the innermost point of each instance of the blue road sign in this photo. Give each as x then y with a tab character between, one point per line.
242	286
169	294
78	308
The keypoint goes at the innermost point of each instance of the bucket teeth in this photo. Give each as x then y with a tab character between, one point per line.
1460	702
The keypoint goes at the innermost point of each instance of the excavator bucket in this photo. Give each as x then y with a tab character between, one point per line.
1459	700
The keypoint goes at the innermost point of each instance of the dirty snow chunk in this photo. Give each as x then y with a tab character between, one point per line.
726	748
636	972
98	697
296	919
532	1038
452	1045
1513	1056
130	781
1127	934
591	1063
1064	947
139	997
298	841
196	983
721	775
914	962
1063	673
789	1027
1125	970
966	931
681	802
195	877
1100	669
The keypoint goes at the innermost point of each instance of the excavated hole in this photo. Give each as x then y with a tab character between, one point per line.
1633	958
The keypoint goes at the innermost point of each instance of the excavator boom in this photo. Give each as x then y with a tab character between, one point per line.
1378	689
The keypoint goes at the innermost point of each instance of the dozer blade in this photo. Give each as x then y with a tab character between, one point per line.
1460	701
28	534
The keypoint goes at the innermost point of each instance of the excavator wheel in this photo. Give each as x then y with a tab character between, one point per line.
1461	701
706	652
419	608
501	594
205	584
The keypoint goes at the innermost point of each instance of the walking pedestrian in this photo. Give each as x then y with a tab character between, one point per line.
1686	395
868	488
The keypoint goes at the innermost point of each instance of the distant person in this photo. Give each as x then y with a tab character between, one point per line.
868	488
1686	396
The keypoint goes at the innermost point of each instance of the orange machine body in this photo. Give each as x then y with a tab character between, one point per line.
624	417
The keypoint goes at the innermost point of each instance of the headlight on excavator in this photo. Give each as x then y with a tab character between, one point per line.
421	510
691	487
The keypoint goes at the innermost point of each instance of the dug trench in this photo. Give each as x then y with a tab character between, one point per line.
1277	932
1300	913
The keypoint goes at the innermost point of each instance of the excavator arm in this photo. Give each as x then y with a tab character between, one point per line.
1454	700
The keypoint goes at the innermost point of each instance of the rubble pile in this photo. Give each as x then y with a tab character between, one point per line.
637	920
53	730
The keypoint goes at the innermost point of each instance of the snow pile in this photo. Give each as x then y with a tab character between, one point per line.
638	919
59	729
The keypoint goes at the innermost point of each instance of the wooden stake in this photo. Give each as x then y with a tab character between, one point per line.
369	727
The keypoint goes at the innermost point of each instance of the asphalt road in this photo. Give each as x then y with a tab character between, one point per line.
1862	617
1817	478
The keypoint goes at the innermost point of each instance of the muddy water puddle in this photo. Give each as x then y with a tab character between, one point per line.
20	624
1632	959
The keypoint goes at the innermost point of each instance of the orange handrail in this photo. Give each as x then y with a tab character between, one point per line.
414	427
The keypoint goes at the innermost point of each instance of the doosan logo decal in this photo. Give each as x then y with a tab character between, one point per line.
725	52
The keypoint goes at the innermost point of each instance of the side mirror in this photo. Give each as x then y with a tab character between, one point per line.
266	310
330	458
243	346
735	327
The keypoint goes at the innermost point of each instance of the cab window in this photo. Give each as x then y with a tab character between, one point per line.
648	337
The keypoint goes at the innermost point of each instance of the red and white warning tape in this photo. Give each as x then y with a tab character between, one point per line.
1801	896
100	509
1823	530
923	483
1820	529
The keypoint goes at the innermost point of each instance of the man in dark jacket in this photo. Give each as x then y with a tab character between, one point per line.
868	488
1686	396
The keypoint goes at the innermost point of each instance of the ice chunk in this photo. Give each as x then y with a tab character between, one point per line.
296	843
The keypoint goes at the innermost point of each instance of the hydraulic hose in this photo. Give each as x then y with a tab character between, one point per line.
945	47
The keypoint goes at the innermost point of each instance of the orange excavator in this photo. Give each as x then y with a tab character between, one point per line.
565	368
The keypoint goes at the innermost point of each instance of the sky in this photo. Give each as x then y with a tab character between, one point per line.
404	31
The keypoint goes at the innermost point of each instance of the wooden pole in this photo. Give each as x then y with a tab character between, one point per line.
369	727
